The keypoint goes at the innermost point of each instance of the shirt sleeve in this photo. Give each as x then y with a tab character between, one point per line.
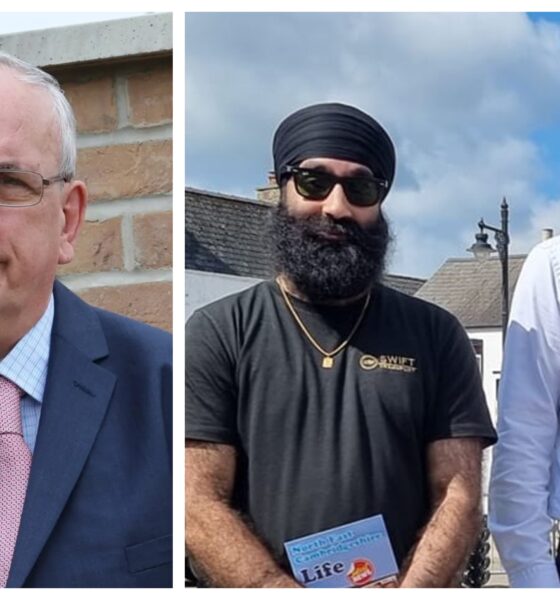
528	427
460	409
210	386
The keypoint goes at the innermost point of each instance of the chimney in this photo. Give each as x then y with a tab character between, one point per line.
270	193
546	233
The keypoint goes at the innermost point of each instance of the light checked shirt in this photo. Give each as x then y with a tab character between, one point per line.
26	366
525	481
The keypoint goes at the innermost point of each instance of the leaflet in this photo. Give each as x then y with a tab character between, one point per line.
352	555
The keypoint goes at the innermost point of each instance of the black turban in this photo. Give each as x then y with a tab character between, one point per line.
333	130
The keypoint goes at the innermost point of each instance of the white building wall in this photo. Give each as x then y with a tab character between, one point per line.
202	288
491	363
491	369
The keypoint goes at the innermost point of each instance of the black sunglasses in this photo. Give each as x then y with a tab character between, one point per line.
360	190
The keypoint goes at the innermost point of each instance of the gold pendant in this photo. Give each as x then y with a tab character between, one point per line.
328	362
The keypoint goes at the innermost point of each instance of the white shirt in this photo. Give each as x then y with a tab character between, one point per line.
525	480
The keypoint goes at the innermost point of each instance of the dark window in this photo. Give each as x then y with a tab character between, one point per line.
477	347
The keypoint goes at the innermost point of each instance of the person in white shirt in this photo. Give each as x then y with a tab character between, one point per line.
525	480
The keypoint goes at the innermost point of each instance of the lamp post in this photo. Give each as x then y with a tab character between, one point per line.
477	572
482	250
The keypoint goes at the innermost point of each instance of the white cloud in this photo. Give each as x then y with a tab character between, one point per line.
544	215
461	94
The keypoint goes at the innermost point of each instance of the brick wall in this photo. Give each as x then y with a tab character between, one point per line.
124	115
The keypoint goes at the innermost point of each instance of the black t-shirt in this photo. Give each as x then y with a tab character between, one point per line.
317	447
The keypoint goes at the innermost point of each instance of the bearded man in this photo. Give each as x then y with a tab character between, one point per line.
322	397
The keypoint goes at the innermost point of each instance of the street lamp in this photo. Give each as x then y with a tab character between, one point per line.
482	250
478	563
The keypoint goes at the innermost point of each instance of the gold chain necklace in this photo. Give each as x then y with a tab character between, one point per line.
328	357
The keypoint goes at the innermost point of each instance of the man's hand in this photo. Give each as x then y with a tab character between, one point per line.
439	558
225	551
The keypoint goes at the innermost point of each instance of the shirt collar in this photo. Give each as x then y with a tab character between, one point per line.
26	364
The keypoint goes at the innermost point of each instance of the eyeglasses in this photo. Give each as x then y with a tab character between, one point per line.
360	190
24	188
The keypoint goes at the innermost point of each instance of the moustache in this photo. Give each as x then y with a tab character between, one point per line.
327	229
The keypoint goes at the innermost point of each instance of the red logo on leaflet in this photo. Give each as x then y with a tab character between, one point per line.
361	572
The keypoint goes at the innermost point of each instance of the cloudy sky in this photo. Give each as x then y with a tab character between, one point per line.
470	99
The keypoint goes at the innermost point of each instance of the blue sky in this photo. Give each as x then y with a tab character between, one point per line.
470	99
553	17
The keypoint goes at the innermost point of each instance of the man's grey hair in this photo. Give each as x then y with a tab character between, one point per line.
63	111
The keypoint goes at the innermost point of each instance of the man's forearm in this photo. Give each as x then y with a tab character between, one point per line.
226	553
440	556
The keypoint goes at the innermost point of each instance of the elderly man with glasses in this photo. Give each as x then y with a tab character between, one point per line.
85	481
322	398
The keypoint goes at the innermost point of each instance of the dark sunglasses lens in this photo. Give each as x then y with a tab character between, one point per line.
362	191
315	186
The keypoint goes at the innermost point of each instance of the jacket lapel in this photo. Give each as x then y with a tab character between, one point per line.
76	398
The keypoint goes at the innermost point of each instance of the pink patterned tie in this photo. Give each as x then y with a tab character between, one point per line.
15	462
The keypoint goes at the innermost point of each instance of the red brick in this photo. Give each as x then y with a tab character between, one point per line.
150	97
148	302
94	104
127	170
153	239
99	248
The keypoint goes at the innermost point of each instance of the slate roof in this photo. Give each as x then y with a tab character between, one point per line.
402	283
472	290
227	234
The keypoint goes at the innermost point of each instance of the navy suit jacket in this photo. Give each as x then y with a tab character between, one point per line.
98	509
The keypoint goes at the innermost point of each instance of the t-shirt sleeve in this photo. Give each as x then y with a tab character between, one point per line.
460	408
210	387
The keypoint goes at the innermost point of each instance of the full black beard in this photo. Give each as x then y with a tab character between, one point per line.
326	269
